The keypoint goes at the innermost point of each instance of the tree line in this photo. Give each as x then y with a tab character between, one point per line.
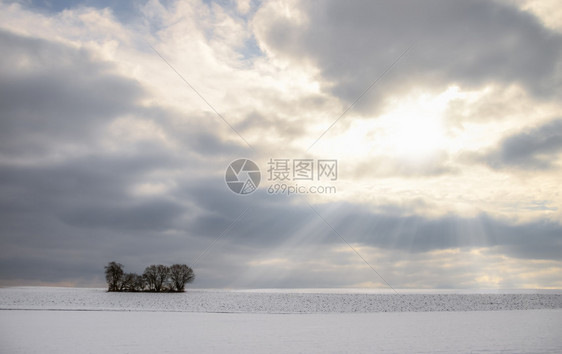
156	278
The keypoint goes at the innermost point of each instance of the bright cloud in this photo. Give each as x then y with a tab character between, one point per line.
117	124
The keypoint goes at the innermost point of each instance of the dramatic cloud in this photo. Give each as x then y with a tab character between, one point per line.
45	101
537	148
106	153
469	43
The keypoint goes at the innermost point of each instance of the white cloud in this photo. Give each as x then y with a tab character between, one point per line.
112	145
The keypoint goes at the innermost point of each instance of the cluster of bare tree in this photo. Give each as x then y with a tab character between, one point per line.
156	278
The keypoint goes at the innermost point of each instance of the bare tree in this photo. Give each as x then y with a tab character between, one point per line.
138	283
162	274
132	282
127	282
150	275
155	278
114	276
180	274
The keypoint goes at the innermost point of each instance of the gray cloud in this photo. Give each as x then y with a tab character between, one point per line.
70	232
537	148
275	222
457	42
54	98
64	215
51	92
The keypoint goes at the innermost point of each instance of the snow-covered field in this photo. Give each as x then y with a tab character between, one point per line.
67	320
279	300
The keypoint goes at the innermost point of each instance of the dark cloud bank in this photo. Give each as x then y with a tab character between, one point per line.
470	43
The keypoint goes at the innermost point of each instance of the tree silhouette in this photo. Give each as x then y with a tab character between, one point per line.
162	273
114	276
149	275
180	274
132	282
156	278
138	283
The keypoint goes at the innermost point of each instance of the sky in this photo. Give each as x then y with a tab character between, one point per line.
440	123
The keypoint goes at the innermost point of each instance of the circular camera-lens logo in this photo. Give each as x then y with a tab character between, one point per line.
242	176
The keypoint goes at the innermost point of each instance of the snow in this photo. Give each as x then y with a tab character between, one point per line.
182	332
276	301
66	320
